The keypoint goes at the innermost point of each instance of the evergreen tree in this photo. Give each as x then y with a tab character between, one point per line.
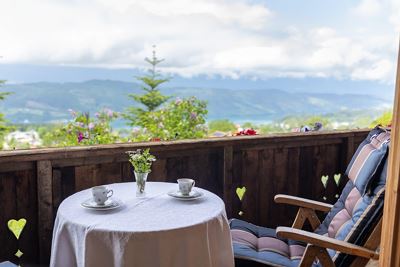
152	98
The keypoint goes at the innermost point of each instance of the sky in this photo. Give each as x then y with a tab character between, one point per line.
231	40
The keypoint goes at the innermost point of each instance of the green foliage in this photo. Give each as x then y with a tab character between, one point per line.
4	128
385	119
221	125
141	161
152	98
83	130
180	119
156	119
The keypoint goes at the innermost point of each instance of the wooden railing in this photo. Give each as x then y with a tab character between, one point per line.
33	183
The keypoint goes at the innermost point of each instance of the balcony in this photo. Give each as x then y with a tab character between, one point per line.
33	183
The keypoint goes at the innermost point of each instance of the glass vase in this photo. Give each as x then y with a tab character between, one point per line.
141	178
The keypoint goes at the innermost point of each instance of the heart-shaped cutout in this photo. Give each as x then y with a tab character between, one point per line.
337	178
324	180
16	227
240	192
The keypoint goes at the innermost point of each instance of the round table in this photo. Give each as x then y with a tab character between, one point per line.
156	230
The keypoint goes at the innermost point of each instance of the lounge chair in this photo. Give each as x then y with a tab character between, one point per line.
348	236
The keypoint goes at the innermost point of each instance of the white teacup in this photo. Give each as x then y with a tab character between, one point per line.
101	194
185	185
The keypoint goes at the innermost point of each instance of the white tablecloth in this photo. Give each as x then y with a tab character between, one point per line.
157	230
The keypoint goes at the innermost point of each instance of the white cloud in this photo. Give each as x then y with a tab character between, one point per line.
368	8
225	37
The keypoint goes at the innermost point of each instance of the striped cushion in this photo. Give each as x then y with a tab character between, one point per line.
352	218
367	159
254	243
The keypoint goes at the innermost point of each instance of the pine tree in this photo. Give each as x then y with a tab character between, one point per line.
152	98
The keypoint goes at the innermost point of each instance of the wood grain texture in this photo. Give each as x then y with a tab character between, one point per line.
276	140
45	208
8	194
390	242
302	202
228	188
325	242
266	165
312	253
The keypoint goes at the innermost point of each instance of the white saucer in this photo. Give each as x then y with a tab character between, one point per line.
192	195
110	204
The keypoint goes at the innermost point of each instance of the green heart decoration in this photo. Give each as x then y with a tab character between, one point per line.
337	177
324	180
16	227
240	192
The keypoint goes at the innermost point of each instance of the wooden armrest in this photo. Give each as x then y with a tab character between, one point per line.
303	202
326	242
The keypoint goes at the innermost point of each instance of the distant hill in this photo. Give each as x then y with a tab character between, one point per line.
49	102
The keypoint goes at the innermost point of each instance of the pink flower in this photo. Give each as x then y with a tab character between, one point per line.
72	112
178	101
110	113
193	116
80	137
91	126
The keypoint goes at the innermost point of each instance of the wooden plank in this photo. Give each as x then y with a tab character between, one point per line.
265	190
127	172
176	168
27	207
45	209
108	173
9	244
228	177
237	182
332	167
57	190
158	171
214	173
250	180
17	166
69	153
390	242
281	183
85	177
68	181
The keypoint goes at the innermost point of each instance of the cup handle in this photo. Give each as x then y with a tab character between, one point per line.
193	183
108	192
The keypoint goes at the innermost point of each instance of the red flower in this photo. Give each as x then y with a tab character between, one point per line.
247	132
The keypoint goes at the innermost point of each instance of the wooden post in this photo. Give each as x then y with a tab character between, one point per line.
45	208
228	165
390	240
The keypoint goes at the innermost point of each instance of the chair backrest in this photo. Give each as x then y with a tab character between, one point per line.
360	206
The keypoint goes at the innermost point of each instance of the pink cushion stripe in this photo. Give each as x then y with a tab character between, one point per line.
245	238
340	218
380	140
360	161
273	244
296	251
351	200
376	143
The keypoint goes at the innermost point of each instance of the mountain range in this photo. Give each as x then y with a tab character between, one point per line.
47	102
